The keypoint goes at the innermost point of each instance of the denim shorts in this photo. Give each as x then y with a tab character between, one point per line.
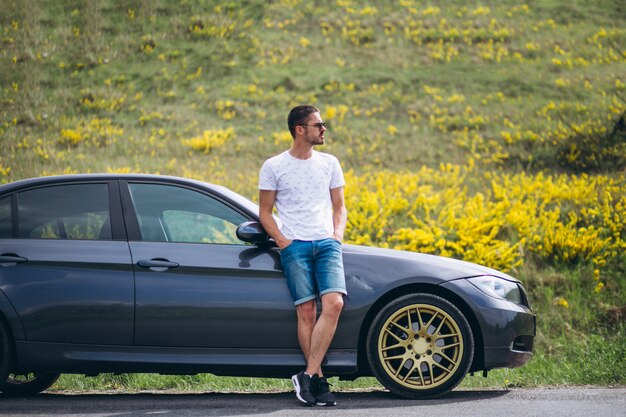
312	268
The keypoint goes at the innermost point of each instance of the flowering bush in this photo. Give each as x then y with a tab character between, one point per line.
96	132
510	218
210	139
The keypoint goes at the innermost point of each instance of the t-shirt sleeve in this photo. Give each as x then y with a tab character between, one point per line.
267	179
336	179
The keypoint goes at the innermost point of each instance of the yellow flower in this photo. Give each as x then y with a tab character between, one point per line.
599	287
210	139
282	138
4	171
71	136
331	112
561	302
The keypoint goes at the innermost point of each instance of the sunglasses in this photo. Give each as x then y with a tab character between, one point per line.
319	125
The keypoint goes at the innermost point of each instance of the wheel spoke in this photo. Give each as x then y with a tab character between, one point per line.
419	317
408	374
432	374
409	325
394	336
449	346
446	357
443	336
391	358
404	329
419	371
400	367
441	366
443	321
430	322
385	349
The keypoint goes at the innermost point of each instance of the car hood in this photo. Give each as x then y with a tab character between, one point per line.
367	261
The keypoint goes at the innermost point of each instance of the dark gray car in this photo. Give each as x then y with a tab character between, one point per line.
145	273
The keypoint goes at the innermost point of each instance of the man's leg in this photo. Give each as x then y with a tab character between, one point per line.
305	385
307	314
297	262
314	335
323	332
329	275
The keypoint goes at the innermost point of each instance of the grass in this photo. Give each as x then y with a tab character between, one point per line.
498	88
593	360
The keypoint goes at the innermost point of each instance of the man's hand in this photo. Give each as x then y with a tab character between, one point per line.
283	243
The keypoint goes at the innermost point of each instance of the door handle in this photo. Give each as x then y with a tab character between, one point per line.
11	259
157	265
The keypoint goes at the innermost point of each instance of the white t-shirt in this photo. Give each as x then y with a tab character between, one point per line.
303	193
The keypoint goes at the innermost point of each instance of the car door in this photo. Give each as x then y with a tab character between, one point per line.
197	284
66	266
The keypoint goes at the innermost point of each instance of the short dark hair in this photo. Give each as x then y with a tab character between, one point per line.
298	115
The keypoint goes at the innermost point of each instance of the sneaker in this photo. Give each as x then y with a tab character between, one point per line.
304	388
323	395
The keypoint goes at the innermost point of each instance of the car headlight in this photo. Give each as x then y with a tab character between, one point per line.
498	287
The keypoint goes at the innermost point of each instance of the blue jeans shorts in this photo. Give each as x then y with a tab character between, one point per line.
312	268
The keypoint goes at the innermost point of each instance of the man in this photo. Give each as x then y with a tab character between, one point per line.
307	188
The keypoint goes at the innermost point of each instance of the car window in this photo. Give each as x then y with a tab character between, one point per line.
168	213
73	211
6	227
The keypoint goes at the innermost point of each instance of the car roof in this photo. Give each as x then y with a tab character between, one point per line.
224	192
59	179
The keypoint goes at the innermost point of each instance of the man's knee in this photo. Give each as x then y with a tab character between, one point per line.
332	303
307	311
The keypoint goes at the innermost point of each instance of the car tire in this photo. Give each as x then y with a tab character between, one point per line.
420	346
27	385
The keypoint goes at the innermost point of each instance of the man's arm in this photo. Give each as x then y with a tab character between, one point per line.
266	205
340	214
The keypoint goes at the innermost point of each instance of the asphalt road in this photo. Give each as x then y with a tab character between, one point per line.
570	402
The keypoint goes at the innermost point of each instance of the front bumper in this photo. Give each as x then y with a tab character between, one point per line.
505	330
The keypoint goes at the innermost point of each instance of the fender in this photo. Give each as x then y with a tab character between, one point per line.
12	319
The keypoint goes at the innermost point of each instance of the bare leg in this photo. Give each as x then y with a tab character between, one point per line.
307	314
323	332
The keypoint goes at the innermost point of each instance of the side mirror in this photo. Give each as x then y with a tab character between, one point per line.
253	232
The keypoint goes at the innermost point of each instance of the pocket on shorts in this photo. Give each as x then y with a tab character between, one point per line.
288	247
336	243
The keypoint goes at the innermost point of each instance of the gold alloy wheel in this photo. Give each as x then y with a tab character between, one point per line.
420	346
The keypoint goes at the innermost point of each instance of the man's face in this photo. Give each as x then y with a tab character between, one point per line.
313	130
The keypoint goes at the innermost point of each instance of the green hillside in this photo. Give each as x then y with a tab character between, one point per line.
493	132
